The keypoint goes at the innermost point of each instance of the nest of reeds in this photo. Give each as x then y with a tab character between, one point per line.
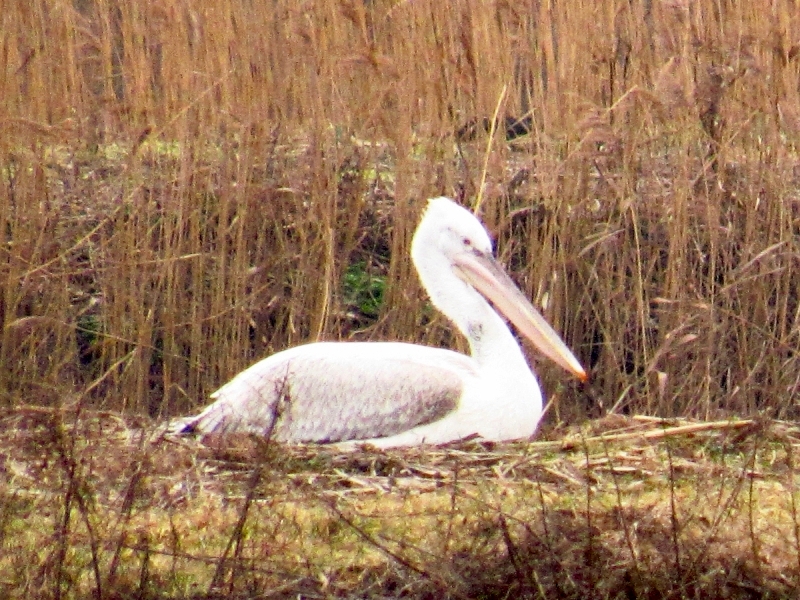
635	507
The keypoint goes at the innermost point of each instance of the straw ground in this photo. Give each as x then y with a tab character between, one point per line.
633	508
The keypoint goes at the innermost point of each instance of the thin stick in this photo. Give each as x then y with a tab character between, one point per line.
492	129
647	435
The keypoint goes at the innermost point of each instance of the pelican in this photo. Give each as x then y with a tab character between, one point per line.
390	394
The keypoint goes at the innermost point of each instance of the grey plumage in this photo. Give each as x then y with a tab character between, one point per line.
329	392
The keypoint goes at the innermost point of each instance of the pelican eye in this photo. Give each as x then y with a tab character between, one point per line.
466	241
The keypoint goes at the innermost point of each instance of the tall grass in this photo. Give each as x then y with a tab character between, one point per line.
186	184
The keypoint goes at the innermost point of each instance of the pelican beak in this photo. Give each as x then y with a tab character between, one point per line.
482	272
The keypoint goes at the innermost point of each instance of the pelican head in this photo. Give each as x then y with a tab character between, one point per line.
453	255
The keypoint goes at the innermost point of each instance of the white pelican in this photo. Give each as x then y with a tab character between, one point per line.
395	394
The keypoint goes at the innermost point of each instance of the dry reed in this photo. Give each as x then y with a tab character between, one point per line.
185	188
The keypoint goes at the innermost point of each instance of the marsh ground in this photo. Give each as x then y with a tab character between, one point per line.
94	507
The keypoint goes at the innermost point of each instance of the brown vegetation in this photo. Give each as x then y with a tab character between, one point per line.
185	188
188	186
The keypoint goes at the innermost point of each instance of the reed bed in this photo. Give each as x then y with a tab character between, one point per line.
187	186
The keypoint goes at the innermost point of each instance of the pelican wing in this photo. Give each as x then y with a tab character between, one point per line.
329	392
